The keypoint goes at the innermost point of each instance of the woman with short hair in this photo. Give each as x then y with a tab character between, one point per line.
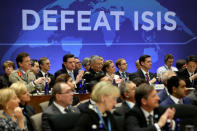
12	117
98	116
22	93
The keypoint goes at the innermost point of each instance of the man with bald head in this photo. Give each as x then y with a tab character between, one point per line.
63	98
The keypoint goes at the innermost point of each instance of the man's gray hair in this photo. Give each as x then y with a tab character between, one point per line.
85	61
94	58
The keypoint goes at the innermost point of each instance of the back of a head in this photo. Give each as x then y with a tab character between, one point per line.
180	63
142	92
104	88
166	75
62	78
138	81
5	95
19	88
172	82
191	58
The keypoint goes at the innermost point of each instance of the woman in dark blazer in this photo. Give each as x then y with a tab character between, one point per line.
98	117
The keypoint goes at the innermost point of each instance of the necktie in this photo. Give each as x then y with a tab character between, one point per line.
150	117
123	75
72	75
147	77
67	109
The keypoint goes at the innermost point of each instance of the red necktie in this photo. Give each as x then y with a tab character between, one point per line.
147	77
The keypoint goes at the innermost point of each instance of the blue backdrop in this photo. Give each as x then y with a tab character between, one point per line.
100	33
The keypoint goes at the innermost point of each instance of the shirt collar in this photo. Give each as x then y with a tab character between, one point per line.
176	100
190	73
146	113
43	73
130	104
61	108
69	71
144	72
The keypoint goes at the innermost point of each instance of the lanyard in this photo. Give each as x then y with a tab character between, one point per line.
102	121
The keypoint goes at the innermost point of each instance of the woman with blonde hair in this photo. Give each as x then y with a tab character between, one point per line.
98	116
12	117
24	97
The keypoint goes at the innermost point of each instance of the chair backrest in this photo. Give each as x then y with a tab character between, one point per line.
63	122
1	111
37	121
44	105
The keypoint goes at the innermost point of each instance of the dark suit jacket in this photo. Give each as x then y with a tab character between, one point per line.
84	106
90	117
64	71
136	121
140	74
162	95
28	111
184	74
51	110
49	75
122	110
118	73
169	101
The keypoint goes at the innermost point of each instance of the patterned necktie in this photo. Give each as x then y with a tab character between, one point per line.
147	77
150	118
67	110
123	75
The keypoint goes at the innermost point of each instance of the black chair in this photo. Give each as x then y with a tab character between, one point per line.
63	122
187	115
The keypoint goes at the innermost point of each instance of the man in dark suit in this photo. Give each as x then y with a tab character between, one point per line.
163	94
127	90
189	73
68	67
96	65
146	115
121	64
63	95
177	89
44	65
145	62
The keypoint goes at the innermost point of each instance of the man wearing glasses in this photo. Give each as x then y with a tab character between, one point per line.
63	98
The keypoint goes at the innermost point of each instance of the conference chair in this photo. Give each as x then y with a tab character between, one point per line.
37	121
44	105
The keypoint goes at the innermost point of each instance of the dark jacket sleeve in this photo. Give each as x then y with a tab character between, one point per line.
45	122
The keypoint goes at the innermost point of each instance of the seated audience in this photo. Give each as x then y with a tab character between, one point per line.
24	74
63	98
145	62
147	115
189	73
163	94
98	116
8	67
168	59
12	117
35	67
180	64
138	81
177	89
24	97
127	91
